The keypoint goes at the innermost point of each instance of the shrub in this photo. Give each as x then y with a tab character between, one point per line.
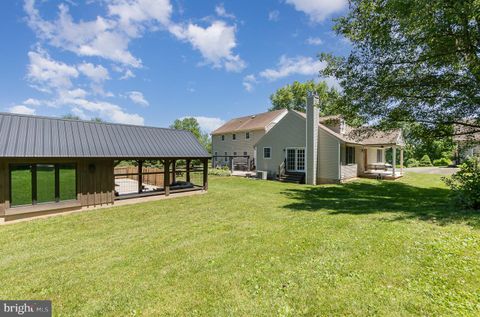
412	163
442	162
465	184
425	161
219	171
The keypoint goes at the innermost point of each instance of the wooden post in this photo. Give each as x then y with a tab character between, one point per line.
140	177
188	171
166	177
401	161
174	177
394	160
205	174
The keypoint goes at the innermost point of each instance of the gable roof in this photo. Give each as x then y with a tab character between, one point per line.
363	135
250	123
370	136
465	133
35	136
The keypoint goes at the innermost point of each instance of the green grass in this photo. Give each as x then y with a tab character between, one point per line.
250	248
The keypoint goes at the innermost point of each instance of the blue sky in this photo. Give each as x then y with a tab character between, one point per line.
152	61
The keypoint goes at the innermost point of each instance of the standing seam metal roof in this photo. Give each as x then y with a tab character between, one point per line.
35	136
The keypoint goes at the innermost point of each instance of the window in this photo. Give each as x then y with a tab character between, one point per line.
42	183
267	152
234	153
216	153
223	138
379	155
350	155
226	158
247	135
234	136
245	153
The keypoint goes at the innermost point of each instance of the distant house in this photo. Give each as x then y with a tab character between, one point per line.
233	143
50	165
325	149
467	140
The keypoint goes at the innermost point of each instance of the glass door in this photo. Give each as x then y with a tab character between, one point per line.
295	159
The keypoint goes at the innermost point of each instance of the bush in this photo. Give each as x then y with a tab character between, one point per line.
219	171
412	163
425	161
442	162
465	184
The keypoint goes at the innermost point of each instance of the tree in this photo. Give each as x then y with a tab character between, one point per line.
191	124
411	61
70	116
294	97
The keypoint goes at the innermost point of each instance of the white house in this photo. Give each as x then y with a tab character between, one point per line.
325	149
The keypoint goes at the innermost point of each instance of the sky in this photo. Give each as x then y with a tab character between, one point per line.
149	62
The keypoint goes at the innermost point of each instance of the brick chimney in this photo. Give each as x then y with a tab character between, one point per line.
311	138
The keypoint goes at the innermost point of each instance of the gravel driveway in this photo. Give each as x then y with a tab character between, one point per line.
432	170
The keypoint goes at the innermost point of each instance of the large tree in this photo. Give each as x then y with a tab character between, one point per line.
411	61
294	97
191	124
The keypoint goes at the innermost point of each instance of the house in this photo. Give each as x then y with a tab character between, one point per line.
467	141
325	149
50	165
233	143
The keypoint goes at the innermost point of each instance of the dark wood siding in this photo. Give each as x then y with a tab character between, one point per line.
95	187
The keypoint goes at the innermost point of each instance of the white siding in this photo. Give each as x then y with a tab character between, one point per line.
240	145
328	158
288	132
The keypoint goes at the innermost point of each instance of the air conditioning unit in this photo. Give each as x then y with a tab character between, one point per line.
262	174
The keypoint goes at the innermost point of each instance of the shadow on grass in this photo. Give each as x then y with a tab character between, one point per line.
357	198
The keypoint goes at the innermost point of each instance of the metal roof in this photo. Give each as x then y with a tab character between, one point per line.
35	136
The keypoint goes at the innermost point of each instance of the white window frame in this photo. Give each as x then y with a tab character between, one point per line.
267	158
296	158
381	156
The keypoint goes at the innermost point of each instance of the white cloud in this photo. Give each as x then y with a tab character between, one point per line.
47	74
221	12
215	42
21	109
132	13
249	81
314	41
318	10
32	102
138	98
106	37
96	73
299	65
274	15
207	124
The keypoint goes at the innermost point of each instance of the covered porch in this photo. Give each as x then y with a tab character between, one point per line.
375	163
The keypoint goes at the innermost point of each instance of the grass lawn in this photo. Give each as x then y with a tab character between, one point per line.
251	248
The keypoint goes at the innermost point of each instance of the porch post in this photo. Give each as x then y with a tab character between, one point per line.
188	171
205	174
140	177
166	177
174	177
401	161
394	155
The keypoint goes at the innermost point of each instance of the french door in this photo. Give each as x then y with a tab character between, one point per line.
295	159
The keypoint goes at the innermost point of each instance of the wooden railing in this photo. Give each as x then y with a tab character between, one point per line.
281	169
